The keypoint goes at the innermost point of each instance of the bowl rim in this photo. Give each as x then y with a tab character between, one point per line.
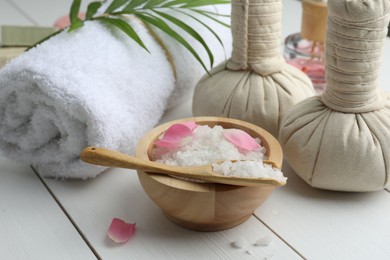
143	148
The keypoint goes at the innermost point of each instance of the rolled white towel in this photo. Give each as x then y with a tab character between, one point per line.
94	86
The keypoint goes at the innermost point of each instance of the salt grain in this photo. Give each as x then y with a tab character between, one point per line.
264	241
239	243
249	252
251	169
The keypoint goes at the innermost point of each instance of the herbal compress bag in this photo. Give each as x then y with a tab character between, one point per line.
341	140
256	84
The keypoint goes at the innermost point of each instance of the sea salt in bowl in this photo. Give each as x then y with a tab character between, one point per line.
206	206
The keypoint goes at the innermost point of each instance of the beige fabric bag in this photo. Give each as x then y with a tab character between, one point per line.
341	140
255	85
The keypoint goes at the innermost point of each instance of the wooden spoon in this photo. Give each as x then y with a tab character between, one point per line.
105	157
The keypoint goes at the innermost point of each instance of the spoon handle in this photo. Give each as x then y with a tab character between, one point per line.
109	158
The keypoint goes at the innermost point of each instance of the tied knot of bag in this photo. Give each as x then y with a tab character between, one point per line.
353	54
256	31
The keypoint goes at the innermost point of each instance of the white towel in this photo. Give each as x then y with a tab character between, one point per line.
93	86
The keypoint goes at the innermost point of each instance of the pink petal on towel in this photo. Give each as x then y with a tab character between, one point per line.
175	136
241	139
120	231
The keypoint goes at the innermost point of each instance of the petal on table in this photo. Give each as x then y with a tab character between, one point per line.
120	231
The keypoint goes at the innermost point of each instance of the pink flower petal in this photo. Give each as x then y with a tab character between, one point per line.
163	143
241	139
175	135
120	231
190	125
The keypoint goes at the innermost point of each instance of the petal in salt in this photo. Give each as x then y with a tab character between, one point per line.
190	125
120	231
175	136
168	144
241	139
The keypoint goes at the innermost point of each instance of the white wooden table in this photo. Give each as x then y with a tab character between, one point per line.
51	219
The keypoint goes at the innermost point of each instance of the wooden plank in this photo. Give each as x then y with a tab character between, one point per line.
32	224
118	193
329	225
11	16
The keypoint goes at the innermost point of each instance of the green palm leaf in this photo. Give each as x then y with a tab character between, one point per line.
74	10
175	3
190	31
75	21
153	3
157	22
92	9
115	5
133	4
124	27
214	13
209	16
205	2
205	25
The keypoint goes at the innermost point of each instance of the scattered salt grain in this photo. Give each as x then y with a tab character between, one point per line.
264	241
253	169
249	252
239	243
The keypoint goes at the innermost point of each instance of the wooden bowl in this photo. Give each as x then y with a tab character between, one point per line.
206	206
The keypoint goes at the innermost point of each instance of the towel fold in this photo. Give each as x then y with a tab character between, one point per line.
94	86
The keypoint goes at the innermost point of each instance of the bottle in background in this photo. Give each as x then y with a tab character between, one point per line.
305	50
